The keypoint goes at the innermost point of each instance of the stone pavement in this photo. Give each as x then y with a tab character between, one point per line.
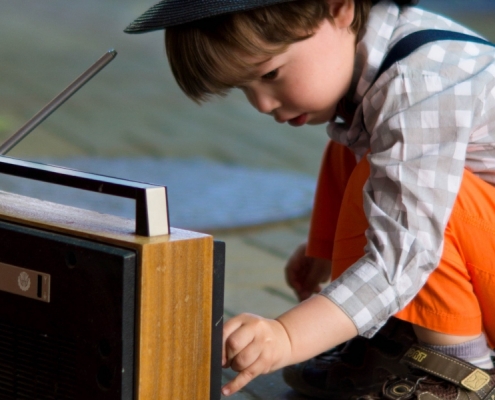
133	108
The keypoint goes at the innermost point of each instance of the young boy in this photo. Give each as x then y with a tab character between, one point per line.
424	221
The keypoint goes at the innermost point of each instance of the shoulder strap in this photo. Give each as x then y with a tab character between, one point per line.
413	41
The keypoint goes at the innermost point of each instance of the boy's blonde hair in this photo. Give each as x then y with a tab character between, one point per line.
205	55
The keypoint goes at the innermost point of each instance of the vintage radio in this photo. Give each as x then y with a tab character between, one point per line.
95	306
89	309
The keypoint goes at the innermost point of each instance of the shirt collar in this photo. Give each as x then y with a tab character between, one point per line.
372	47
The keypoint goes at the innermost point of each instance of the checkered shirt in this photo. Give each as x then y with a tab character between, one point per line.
427	118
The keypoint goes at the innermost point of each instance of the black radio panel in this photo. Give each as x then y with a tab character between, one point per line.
78	344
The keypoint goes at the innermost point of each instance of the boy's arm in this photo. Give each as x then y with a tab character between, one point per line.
253	345
417	145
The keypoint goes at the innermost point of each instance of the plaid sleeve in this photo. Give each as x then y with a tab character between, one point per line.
419	123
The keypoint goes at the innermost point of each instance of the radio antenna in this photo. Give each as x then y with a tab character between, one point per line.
57	102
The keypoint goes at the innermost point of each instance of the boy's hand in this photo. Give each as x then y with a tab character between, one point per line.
305	274
252	346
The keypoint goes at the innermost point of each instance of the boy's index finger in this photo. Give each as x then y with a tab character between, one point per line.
241	380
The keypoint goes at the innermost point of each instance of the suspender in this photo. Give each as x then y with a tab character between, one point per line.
412	42
408	44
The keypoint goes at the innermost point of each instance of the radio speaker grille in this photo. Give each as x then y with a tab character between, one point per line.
34	365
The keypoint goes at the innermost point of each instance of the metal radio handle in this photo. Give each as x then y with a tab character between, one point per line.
152	217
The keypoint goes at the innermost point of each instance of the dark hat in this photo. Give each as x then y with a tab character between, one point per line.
169	13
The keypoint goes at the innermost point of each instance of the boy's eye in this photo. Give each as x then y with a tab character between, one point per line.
270	75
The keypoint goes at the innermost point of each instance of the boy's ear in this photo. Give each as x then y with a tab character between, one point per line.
342	12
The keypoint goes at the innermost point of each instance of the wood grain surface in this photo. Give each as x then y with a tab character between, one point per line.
174	293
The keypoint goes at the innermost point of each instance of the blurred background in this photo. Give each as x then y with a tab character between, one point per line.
229	170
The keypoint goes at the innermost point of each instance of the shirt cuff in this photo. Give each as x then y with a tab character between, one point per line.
365	295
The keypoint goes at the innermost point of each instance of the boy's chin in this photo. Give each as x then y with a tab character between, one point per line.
322	118
319	121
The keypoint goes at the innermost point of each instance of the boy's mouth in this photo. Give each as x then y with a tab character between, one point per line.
298	121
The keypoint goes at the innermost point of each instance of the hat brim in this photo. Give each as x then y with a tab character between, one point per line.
168	13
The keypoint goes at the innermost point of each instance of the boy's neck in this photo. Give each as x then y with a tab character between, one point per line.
346	110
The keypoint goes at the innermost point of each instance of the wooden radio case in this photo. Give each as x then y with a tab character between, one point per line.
95	306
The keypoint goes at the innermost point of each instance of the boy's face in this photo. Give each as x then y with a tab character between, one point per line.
304	84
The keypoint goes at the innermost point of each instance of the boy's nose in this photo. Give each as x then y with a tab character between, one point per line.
263	102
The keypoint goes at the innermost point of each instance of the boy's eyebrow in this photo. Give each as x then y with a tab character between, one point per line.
260	63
